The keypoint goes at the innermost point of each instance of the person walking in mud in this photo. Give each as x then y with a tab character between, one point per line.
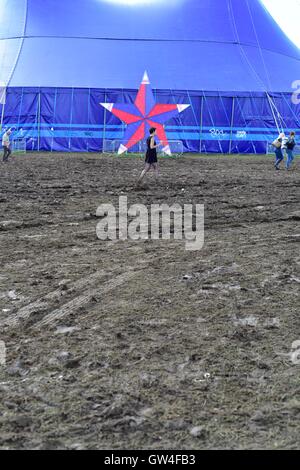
291	144
6	145
279	144
151	156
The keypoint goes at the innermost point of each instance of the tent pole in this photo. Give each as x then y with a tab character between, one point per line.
231	124
89	104
104	126
71	120
39	118
201	124
53	119
2	117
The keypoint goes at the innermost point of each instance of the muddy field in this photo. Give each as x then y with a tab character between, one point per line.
143	345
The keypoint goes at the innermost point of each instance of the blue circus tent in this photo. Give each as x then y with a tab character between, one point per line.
228	59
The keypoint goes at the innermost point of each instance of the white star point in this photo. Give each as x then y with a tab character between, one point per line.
122	149
145	80
166	149
108	106
182	107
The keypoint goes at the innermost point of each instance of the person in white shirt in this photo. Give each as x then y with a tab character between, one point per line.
6	145
279	150
284	145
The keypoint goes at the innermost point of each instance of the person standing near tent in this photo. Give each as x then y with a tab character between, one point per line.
6	145
151	156
278	149
284	145
289	151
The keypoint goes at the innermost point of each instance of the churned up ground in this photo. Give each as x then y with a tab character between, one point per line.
142	344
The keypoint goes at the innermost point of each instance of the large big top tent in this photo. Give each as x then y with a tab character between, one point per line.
228	59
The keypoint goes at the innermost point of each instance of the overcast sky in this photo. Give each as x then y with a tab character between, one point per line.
287	15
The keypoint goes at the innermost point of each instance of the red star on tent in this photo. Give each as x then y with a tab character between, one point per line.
142	115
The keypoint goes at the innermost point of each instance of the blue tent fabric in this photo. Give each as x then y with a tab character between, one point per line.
59	60
70	119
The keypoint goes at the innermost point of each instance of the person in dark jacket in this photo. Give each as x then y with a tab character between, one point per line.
291	143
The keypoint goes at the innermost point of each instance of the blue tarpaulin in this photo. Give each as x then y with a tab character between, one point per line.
71	119
60	59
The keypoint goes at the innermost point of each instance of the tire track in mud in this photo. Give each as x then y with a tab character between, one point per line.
73	305
82	300
40	304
